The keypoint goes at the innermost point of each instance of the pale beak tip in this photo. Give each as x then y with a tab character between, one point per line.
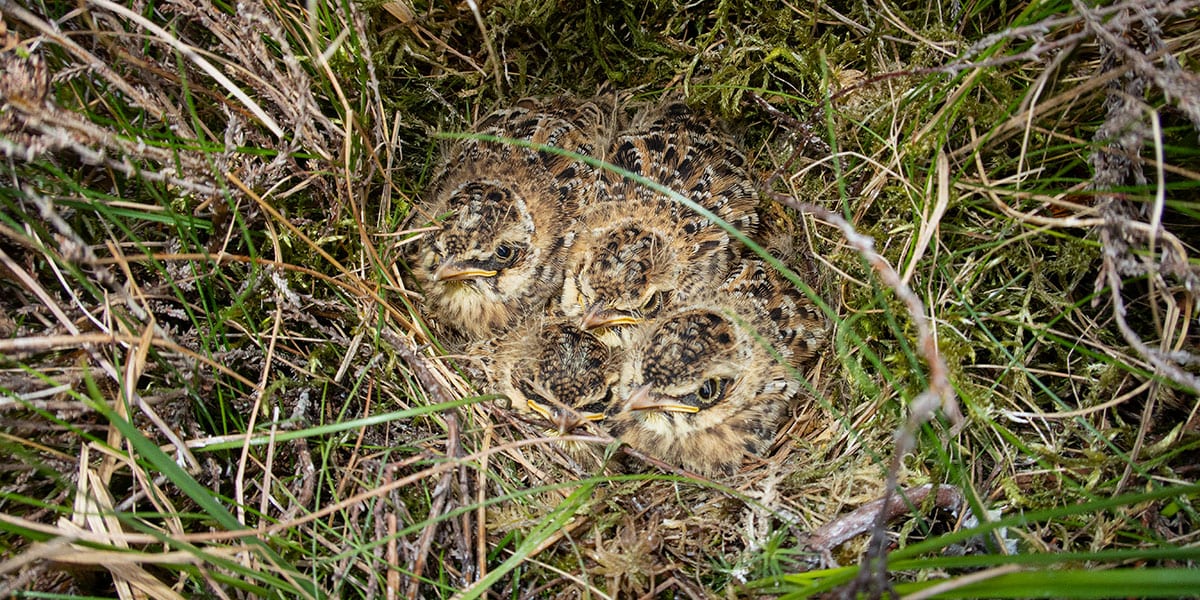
640	399
453	271
598	318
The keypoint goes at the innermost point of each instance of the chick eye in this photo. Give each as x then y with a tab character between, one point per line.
711	390
653	303
506	253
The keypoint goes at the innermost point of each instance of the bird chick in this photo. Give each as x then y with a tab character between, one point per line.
505	214
558	371
631	262
708	384
639	251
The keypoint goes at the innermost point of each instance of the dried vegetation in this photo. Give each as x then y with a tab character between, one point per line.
215	383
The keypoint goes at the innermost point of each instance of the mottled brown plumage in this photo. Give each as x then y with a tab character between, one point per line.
508	216
701	388
24	90
638	251
590	296
558	371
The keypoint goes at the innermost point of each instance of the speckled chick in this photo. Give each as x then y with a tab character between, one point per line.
701	388
558	371
639	252
506	215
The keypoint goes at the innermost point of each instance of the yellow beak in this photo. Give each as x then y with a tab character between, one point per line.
539	409
597	317
643	399
564	420
455	271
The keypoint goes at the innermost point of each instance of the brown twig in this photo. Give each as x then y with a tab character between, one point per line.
805	130
438	394
1124	133
444	488
940	392
441	492
1112	277
859	521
